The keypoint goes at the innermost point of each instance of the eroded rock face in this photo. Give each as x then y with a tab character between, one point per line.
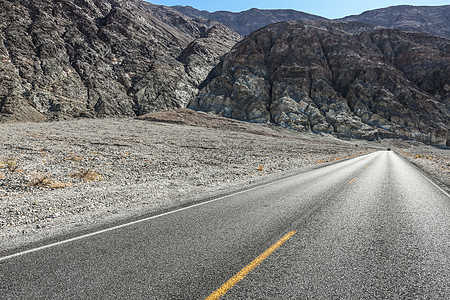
91	58
345	78
204	53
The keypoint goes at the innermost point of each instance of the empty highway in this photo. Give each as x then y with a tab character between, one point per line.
372	227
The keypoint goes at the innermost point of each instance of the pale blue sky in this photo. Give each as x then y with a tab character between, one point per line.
325	8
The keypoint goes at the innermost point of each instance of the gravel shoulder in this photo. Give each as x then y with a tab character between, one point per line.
435	162
72	175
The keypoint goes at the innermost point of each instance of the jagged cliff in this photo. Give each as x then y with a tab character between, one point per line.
90	58
352	79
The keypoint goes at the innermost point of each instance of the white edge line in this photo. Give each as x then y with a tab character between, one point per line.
445	193
144	220
129	224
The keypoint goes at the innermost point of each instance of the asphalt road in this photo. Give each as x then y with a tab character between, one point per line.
372	227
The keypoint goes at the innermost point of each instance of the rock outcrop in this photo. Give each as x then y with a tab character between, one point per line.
351	79
204	53
91	58
434	20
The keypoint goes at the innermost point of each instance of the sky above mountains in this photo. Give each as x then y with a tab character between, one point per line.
326	8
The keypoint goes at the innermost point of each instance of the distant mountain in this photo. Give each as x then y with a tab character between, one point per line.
350	79
434	20
430	19
248	21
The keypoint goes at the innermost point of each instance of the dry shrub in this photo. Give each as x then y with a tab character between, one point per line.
75	158
58	185
43	180
87	175
11	165
260	168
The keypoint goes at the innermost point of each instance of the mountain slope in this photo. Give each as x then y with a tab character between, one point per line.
248	21
434	20
90	58
431	19
345	78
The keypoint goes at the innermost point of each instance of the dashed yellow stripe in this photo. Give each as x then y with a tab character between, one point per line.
352	180
244	272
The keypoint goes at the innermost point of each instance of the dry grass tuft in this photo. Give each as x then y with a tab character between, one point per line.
87	175
75	158
2	175
58	185
11	165
43	180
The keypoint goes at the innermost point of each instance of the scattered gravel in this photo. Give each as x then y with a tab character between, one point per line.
55	177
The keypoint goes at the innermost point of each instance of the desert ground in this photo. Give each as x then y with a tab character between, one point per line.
66	176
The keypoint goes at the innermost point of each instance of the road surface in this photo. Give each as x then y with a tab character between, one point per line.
372	227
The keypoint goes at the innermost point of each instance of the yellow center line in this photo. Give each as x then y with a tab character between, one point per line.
247	269
352	180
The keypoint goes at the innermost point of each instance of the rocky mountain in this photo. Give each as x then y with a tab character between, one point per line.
352	79
434	20
90	58
96	58
431	19
248	21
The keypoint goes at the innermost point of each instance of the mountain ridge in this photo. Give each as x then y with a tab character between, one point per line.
245	22
434	20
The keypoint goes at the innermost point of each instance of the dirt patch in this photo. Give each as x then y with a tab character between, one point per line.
190	117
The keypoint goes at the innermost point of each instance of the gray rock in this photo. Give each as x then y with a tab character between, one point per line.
94	58
204	53
352	79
